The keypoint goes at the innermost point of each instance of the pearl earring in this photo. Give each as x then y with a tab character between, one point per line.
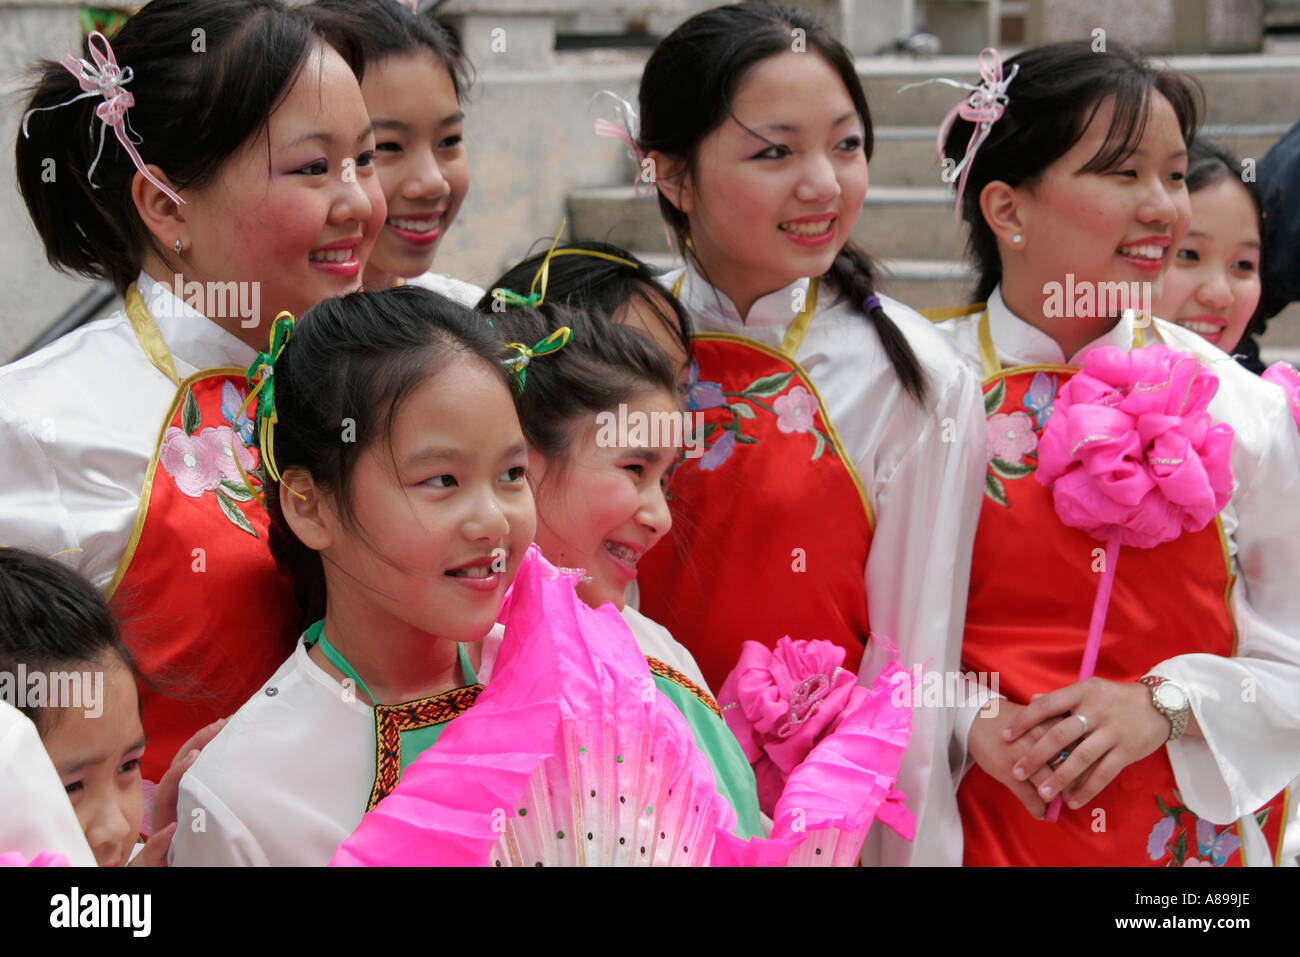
177	247
1017	239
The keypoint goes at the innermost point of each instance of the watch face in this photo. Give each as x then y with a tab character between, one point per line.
1171	696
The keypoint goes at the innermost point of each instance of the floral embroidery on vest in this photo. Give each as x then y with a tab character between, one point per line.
211	459
1193	842
795	411
1011	442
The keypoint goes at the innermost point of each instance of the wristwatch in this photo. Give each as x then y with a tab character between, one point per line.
1170	699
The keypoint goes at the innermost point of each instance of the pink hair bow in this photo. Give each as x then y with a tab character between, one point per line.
626	133
105	78
984	107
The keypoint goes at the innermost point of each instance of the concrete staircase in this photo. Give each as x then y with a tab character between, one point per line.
907	221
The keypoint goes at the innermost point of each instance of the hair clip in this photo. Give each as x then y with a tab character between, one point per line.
984	107
627	133
261	382
105	78
517	366
536	296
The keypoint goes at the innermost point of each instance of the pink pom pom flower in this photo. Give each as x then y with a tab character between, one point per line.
1130	450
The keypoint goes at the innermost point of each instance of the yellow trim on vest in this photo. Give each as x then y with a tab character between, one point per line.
821	407
953	312
142	509
147	334
1281	833
799	328
992	365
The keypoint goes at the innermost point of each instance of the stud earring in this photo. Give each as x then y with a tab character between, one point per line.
1016	240
177	246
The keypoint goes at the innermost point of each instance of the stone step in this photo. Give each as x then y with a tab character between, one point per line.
1246	88
907	222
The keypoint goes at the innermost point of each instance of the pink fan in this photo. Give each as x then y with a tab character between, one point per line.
1132	458
43	859
571	756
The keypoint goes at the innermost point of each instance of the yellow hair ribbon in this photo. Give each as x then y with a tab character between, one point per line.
537	296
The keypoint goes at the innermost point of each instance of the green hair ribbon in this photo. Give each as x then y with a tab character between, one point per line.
536	296
261	382
518	365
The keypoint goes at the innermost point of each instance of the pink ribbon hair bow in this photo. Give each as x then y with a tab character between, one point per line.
105	78
984	107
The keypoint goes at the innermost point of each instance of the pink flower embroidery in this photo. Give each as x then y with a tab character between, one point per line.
224	445
1010	436
1193	862
190	461
795	410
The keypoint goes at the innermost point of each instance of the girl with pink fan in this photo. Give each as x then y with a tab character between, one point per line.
602	494
1125	583
400	506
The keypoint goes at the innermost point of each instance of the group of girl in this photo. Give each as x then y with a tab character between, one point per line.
316	540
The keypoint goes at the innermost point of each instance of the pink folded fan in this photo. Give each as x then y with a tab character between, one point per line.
572	756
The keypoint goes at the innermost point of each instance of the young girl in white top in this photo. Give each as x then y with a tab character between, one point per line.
403	510
247	189
1176	750
413	76
838	488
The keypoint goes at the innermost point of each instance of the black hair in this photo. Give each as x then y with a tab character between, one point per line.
206	77
595	285
367	31
606	363
686	93
1053	98
340	381
51	616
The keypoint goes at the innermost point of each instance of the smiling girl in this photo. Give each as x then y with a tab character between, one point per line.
602	494
402	538
838	492
1213	284
123	444
412	75
1083	175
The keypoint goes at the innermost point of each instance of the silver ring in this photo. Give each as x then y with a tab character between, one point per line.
1084	720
